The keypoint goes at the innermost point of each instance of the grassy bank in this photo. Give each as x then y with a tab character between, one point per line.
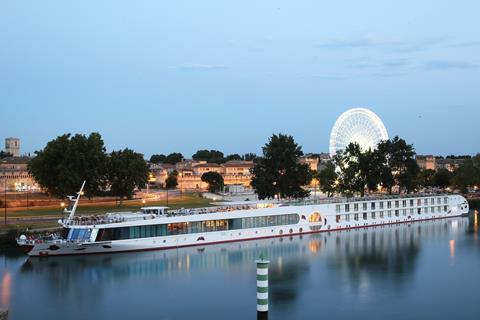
8	231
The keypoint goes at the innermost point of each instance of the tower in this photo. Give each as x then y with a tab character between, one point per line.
12	146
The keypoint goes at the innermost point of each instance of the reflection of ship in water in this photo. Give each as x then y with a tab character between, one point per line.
389	252
378	252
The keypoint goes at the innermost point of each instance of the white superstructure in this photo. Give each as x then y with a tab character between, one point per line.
156	228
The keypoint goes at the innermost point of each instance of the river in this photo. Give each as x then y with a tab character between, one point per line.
421	270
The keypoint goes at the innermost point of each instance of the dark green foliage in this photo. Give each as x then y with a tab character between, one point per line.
127	170
399	158
174	158
234	156
442	178
158	158
67	161
358	170
172	181
4	154
211	156
214	180
425	178
278	172
249	156
467	175
328	179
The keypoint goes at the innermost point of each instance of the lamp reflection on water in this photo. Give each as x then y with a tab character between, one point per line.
6	289
451	244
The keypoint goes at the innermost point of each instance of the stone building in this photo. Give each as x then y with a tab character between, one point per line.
14	175
12	146
427	162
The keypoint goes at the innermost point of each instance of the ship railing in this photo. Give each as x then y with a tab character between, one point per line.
362	199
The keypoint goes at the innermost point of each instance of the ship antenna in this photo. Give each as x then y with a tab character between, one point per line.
75	205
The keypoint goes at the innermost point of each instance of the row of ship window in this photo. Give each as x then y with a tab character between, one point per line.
390	213
389	204
135	232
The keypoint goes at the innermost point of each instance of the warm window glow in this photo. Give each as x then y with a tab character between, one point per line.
315	217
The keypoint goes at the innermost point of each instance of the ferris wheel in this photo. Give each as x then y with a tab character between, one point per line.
357	125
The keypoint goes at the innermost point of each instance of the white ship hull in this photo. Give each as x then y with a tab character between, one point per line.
328	217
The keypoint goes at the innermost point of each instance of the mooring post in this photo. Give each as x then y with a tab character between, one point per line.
262	288
3	314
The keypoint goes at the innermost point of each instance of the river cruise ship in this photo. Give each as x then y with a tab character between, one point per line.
155	228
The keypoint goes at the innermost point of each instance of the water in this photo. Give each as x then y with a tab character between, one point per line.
429	269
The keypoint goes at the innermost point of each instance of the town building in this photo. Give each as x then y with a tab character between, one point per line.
14	175
426	162
190	173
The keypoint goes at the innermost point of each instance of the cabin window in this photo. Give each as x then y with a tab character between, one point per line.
419	202
364	216
373	215
347	208
338	218
404	203
355	207
364	206
432	201
389	204
372	206
337	208
355	217
381	214
397	213
347	217
445	208
411	202
445	200
396	204
381	205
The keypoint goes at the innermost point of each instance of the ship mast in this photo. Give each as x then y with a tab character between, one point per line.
75	203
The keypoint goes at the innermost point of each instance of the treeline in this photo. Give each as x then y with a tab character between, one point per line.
210	156
391	165
65	162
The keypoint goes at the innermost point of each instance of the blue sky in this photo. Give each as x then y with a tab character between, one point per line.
160	76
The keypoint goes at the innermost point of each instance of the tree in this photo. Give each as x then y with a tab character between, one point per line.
158	158
174	158
4	154
234	156
249	156
172	180
358	170
211	156
278	171
67	161
328	179
442	178
127	170
467	175
214	180
399	157
425	178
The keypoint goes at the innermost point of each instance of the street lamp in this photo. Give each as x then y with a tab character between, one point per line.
5	191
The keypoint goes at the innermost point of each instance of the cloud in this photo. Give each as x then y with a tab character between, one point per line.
447	65
322	77
366	41
370	41
198	66
466	44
